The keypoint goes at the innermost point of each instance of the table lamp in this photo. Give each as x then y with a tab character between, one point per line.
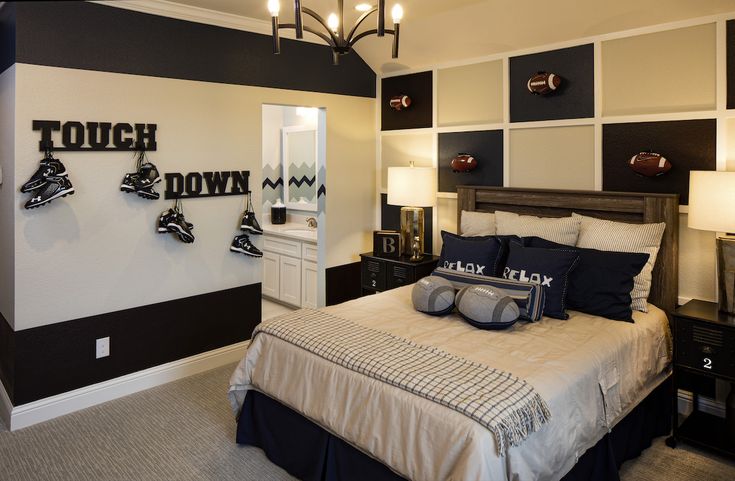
712	207
413	188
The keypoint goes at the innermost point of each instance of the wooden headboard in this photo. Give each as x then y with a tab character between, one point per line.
620	206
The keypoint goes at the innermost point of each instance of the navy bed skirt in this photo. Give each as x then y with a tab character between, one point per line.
310	453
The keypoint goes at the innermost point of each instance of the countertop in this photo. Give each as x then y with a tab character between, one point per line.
291	230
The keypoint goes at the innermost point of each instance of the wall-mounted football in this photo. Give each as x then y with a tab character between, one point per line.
463	163
649	164
543	83
400	102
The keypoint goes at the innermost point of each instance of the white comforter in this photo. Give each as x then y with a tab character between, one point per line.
590	371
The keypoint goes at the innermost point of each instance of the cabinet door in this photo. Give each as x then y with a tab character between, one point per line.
271	273
290	277
308	284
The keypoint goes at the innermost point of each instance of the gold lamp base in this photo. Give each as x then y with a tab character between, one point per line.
412	232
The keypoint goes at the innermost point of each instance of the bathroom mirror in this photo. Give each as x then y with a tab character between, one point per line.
299	147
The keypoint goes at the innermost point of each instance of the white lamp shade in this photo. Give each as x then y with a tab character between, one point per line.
412	186
712	201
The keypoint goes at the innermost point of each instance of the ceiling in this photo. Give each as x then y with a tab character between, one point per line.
441	31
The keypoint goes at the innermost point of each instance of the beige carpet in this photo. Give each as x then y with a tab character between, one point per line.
185	431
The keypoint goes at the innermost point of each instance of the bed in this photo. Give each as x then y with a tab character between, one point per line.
604	382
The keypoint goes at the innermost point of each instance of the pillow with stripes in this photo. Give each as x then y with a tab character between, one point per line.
607	235
477	223
563	230
529	297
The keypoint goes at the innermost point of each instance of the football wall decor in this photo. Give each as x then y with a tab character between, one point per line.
485	146
463	163
649	164
206	184
400	102
95	136
544	83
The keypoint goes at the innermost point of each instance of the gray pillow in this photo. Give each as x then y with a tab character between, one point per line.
562	230
433	295
486	307
473	224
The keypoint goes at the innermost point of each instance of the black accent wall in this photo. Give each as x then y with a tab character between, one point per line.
49	360
7	36
730	64
418	86
90	36
485	146
343	283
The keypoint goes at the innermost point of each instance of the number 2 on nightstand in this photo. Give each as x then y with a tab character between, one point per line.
707	363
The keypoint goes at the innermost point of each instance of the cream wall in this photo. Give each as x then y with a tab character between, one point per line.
97	251
7	197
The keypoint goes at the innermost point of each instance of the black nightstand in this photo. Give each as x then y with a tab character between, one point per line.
704	351
381	273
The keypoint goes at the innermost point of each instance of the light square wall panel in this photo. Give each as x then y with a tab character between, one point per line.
671	71
471	94
555	157
446	215
400	150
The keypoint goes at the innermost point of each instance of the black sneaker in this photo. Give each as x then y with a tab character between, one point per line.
55	187
49	167
128	183
148	193
243	245
250	223
166	217
178	225
147	177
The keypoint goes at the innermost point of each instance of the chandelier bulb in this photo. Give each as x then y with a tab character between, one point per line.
274	6
397	13
333	22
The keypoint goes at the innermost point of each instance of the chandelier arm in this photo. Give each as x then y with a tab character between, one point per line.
358	22
319	19
369	32
307	28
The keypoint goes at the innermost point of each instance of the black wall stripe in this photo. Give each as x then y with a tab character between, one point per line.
7	36
49	360
342	283
96	37
731	64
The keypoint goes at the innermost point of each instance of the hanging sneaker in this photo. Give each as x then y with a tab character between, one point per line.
166	217
250	223
178	225
55	187
128	183
147	176
243	245
148	193
49	167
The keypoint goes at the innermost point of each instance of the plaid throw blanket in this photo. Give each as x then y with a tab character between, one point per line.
507	406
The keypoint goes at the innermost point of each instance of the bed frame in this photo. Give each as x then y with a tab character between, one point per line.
619	206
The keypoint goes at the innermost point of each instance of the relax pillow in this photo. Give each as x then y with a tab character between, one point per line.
530	298
563	230
477	255
486	307
477	223
433	295
607	235
548	268
602	281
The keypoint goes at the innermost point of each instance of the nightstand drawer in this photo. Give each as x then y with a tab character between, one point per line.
706	348
399	276
373	274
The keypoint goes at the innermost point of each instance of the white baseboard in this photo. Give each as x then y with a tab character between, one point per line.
18	417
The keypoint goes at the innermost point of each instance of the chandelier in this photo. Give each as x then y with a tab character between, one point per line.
334	26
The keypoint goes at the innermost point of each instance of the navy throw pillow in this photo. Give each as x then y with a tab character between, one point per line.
549	268
602	281
477	255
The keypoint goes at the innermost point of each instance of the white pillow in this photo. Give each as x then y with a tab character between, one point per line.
477	223
563	230
607	235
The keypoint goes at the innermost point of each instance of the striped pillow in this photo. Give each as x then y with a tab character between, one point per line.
563	230
529	297
607	235
474	224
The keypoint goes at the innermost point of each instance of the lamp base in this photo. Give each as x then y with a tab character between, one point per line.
412	226
726	274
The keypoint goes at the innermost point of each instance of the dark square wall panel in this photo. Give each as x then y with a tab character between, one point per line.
485	146
687	144
731	64
575	98
390	219
419	115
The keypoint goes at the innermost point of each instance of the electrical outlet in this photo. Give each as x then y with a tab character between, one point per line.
103	347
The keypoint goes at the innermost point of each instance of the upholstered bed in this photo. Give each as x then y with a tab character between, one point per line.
321	420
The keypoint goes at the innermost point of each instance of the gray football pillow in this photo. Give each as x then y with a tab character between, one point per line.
486	307
433	295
